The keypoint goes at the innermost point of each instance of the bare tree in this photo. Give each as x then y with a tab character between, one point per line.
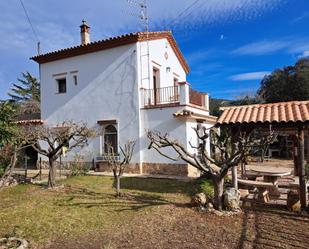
49	141
117	164
231	148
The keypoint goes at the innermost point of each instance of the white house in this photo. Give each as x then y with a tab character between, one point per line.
125	86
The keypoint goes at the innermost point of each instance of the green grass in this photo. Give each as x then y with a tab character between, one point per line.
84	205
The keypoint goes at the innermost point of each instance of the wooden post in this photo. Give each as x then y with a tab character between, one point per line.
235	131
26	167
307	148
295	155
301	168
60	167
40	168
234	177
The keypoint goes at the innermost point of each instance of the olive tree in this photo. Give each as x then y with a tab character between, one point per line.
230	149
50	141
117	163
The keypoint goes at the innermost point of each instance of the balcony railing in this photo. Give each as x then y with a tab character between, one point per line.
196	98
161	96
181	94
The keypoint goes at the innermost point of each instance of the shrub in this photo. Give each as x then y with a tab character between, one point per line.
79	167
5	158
207	187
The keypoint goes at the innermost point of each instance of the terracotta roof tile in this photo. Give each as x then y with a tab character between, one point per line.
111	43
292	111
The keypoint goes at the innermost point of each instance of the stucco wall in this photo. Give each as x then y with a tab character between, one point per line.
107	89
161	120
161	57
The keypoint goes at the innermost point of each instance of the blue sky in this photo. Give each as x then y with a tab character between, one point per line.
229	44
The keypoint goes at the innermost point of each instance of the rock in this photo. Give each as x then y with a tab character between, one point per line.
293	203
13	242
231	199
210	207
199	200
10	181
218	213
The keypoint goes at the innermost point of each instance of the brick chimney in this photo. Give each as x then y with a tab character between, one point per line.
84	33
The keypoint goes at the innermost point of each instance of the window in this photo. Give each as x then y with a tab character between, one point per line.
110	139
62	85
75	79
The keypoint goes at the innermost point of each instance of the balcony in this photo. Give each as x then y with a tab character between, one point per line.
173	96
161	96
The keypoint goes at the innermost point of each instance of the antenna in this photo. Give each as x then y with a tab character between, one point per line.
143	16
31	26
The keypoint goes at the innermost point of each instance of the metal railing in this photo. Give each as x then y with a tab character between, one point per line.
160	96
196	98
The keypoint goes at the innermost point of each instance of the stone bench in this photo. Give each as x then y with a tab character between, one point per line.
262	187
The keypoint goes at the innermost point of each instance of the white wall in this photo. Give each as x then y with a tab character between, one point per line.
157	51
107	89
161	120
109	83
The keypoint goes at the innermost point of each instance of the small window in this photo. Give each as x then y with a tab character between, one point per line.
75	80
62	85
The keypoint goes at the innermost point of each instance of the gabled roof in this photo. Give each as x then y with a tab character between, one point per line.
111	43
282	112
29	118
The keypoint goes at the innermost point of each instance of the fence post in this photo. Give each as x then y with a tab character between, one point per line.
40	169
26	167
60	167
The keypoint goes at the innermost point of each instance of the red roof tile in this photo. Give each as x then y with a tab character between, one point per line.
293	111
111	43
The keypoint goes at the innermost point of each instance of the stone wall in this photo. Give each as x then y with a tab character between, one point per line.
64	165
165	169
132	168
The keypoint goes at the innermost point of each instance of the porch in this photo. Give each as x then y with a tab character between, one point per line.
179	95
285	118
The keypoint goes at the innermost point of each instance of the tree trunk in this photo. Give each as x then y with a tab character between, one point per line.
52	173
218	191
118	186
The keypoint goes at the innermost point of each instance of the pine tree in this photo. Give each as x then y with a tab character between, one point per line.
27	88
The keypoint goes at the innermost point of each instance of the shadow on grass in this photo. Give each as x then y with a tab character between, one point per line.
273	228
85	198
154	185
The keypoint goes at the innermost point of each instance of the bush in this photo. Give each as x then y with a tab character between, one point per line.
207	187
5	158
79	167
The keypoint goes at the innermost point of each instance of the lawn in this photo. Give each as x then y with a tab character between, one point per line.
153	213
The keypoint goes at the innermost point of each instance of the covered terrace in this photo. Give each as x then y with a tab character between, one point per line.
285	118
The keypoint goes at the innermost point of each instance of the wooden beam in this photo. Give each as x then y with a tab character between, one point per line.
301	168
107	122
234	177
307	148
234	168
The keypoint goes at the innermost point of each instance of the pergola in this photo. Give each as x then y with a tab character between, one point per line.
286	117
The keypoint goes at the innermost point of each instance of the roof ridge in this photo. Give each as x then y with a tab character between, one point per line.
265	104
138	34
112	42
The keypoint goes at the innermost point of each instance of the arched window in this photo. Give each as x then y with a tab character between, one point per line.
110	138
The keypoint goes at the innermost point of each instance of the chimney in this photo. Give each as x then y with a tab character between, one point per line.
84	33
